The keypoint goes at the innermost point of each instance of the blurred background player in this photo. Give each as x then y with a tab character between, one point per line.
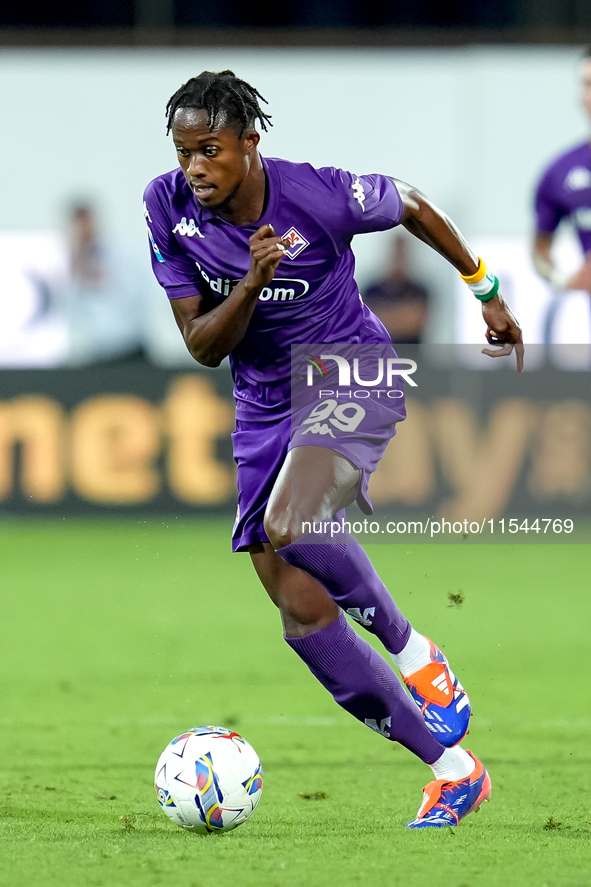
400	301
564	193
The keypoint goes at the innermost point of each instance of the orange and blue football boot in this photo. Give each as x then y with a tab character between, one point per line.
445	803
443	701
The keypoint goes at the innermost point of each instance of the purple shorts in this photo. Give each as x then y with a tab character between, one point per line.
359	429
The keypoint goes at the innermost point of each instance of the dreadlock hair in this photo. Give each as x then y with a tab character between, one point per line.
227	99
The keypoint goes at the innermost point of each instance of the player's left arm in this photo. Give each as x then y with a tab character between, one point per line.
424	220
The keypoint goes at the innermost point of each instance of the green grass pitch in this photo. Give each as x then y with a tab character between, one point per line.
118	635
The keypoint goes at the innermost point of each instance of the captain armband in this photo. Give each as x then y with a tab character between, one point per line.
483	282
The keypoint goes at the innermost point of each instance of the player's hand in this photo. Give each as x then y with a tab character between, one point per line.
502	329
266	251
582	279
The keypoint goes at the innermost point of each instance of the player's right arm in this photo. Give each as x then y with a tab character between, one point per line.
210	334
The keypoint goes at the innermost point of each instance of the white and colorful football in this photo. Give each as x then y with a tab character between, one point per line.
208	779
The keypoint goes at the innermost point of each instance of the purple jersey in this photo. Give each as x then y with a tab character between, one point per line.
564	191
313	296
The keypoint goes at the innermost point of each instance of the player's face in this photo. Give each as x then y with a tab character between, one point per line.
215	162
586	85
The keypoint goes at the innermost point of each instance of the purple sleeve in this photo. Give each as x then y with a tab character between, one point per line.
366	203
175	272
549	210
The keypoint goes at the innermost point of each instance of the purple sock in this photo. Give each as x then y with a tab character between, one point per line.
343	567
365	685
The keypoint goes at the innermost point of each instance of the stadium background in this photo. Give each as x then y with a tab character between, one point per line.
125	619
98	135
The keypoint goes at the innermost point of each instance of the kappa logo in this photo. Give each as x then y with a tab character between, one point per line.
187	229
297	242
147	213
359	193
318	428
362	618
380	727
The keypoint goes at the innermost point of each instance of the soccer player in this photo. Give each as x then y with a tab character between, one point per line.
564	192
255	255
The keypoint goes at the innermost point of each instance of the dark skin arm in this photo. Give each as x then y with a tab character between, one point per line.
422	219
212	333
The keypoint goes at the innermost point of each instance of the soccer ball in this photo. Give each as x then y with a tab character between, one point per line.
208	779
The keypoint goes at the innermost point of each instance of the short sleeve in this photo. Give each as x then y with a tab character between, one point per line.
548	209
175	272
366	203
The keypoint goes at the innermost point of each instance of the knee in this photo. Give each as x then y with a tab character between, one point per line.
283	528
278	529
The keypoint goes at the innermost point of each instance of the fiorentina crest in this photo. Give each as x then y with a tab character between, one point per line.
297	242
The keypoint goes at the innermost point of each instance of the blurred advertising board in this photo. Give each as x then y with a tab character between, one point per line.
130	438
34	270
